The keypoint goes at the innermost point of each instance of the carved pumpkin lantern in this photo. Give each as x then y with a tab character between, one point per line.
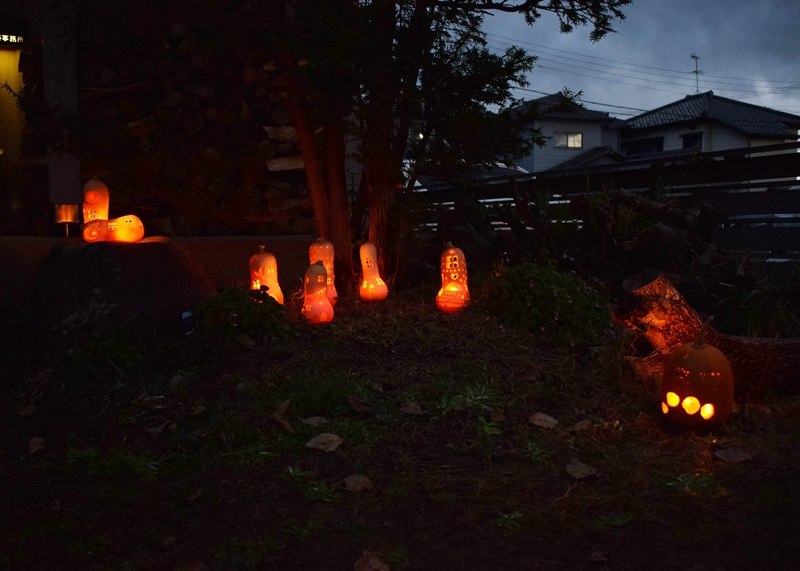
123	229
697	385
264	272
323	250
316	306
454	295
373	288
95	201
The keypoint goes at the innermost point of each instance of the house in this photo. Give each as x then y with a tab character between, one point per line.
706	122
575	135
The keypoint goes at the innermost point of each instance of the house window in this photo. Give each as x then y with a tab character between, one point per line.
568	140
693	140
643	146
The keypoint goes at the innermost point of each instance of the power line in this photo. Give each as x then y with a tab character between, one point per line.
584	100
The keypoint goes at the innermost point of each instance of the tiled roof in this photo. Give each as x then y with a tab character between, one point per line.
587	157
744	117
557	107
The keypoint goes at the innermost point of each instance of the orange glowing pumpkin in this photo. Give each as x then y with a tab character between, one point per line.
95	201
373	288
123	229
454	295
697	385
323	250
316	306
264	273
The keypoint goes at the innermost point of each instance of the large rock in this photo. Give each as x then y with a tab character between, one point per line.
141	288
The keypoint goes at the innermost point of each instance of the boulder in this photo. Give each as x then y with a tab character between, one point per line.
141	288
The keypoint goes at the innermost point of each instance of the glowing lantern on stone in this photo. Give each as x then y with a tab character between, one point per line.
95	201
454	295
123	229
264	272
697	386
323	250
373	288
316	306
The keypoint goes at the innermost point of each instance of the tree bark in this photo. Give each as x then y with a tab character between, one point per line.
339	209
654	307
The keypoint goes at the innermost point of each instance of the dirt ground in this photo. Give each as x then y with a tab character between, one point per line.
181	457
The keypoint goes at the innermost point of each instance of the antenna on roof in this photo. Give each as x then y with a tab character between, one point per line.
696	73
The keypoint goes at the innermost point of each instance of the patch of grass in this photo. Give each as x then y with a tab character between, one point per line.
301	532
236	311
247	554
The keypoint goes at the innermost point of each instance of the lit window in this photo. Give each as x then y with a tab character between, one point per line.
568	140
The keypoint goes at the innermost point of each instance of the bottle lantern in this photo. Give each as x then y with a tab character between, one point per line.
95	201
697	385
316	306
323	250
123	229
373	287
454	295
264	272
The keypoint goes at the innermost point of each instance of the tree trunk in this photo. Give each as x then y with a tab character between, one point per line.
340	212
656	308
308	149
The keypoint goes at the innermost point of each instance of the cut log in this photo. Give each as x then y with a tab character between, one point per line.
654	307
292	163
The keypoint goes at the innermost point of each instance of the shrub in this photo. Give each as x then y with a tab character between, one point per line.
236	311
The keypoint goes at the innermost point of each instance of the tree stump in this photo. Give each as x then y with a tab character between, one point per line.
653	306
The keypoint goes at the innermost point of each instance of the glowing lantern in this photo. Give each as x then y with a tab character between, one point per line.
95	201
323	250
454	295
316	306
264	272
697	386
124	229
373	287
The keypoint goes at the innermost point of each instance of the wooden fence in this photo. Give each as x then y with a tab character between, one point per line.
755	190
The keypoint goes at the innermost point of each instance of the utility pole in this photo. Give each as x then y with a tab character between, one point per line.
696	73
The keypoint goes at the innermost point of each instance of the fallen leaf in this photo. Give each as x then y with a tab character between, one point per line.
357	483
598	556
167	543
199	409
359	405
733	455
579	470
370	562
497	415
35	445
314	420
529	373
377	388
156	430
245	340
543	420
582	425
278	416
410	407
326	442
26	410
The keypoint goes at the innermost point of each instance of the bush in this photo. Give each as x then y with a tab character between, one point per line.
559	306
236	311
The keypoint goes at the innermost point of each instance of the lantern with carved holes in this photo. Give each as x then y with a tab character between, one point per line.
454	295
95	201
123	229
316	306
697	385
264	273
323	250
373	288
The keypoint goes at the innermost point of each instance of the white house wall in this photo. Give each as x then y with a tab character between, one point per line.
716	137
548	156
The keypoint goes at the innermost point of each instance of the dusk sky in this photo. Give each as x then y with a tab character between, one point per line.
749	50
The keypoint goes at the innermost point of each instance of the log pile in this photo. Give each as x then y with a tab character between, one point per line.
653	307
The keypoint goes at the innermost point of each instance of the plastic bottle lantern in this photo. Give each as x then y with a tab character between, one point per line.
323	250
95	201
697	386
454	295
316	306
373	287
123	229
264	272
